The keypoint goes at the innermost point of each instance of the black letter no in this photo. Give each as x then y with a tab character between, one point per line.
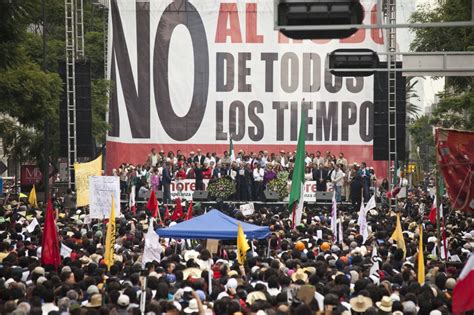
181	128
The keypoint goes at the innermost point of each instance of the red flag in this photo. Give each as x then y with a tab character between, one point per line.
50	245
454	150
463	295
152	204
178	210
189	214
433	212
167	214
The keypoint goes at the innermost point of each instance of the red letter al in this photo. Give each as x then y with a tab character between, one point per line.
251	24
228	12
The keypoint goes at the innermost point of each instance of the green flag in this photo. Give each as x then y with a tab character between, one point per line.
295	203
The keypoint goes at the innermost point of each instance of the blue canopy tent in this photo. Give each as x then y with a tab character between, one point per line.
215	225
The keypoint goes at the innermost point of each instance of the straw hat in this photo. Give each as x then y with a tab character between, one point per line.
310	269
360	303
193	272
386	304
232	273
255	296
191	254
96	301
299	275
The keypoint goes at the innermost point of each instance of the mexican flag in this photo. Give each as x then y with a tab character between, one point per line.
295	203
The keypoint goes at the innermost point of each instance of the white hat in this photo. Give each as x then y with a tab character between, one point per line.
193	307
41	280
8	282
39	270
191	254
231	284
92	289
123	300
66	269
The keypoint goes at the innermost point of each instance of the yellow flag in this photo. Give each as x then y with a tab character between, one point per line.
242	245
32	198
397	236
421	260
110	238
82	172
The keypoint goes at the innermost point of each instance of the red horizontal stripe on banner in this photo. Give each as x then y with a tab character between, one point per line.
136	153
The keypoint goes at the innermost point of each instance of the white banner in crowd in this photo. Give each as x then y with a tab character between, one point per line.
101	189
193	76
247	209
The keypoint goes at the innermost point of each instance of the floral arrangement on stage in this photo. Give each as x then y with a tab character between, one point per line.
279	185
222	188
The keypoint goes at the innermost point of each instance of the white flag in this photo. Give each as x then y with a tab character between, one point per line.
334	218
65	251
31	227
375	262
434	252
371	204
362	222
152	250
131	202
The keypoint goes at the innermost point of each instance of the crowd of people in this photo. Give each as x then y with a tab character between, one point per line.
251	172
296	271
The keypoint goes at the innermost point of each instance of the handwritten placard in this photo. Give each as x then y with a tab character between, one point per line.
247	209
101	189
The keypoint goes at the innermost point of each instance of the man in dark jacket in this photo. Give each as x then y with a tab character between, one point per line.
356	192
198	171
320	175
166	183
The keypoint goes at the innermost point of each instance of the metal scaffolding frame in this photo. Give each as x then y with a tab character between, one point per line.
74	31
79	27
391	15
70	14
105	12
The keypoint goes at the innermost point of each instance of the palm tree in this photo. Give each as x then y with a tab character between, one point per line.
412	109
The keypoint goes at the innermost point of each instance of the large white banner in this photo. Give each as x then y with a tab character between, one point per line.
195	73
101	189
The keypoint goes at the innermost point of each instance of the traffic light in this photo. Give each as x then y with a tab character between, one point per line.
353	59
296	13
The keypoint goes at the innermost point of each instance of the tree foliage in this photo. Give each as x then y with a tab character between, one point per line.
455	111
28	94
456	106
412	109
421	131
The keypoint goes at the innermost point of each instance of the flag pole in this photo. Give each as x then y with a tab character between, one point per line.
438	198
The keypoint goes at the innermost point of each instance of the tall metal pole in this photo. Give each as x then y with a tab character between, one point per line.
70	14
391	7
46	120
